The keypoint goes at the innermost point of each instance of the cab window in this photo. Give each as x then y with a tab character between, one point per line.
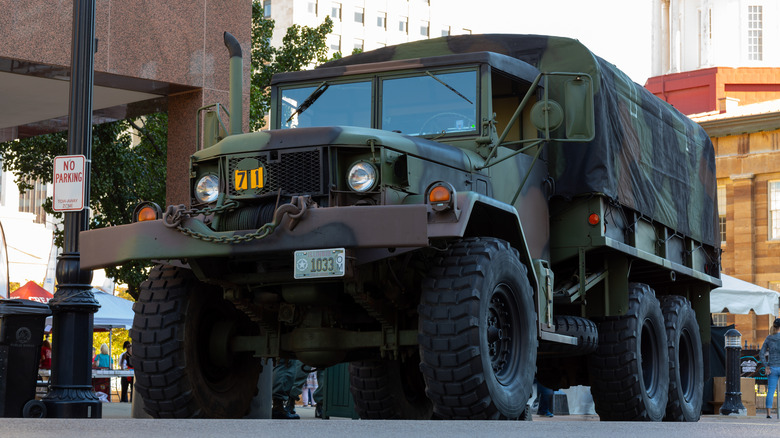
431	103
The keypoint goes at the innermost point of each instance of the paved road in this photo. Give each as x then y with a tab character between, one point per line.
116	424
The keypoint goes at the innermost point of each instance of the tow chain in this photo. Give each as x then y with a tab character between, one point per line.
175	215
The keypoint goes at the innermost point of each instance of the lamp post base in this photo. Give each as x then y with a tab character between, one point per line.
732	405
73	402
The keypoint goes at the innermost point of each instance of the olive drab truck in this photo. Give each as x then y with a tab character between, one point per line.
452	217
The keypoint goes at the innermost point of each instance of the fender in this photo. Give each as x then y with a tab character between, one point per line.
478	215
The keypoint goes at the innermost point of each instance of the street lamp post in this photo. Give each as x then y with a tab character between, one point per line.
73	305
732	404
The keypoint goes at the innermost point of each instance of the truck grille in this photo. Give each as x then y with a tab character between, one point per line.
294	172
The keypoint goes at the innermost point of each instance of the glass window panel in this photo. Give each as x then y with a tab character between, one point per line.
344	104
422	105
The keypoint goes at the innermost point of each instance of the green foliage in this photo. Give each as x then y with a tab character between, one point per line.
301	46
122	175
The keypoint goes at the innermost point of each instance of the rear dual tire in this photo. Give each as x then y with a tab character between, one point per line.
630	368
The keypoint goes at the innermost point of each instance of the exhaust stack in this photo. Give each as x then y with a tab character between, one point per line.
236	86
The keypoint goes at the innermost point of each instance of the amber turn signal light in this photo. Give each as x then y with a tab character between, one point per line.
439	194
147	214
147	211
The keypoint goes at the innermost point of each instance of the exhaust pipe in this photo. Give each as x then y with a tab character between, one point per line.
236	86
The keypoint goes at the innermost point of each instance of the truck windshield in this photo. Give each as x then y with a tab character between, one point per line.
429	104
339	104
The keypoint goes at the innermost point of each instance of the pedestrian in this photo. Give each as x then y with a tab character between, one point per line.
103	360
770	357
288	380
45	361
545	397
126	364
308	389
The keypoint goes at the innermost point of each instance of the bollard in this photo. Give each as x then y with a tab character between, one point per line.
732	404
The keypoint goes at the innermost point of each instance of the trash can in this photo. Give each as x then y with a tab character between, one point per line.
21	336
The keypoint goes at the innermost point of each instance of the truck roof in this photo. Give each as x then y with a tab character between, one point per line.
646	155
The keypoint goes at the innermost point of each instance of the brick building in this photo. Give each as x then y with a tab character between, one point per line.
718	62
747	150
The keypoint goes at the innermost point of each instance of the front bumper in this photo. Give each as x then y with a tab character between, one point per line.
385	226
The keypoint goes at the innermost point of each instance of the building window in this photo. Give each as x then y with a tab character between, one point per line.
358	46
31	201
335	43
446	31
774	210
359	15
425	27
267	8
720	319
403	24
335	11
381	20
755	33
722	213
313	7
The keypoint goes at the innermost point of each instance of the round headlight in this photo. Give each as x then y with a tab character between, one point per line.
361	177
207	189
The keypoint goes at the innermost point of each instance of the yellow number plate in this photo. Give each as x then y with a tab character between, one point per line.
248	179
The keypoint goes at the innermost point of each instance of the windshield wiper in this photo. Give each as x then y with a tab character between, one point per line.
309	100
448	86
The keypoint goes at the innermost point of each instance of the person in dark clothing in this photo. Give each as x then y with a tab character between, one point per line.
545	397
770	357
126	364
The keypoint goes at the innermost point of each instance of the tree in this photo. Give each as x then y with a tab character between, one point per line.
301	47
122	175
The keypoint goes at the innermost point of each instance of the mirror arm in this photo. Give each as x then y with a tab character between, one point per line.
527	174
515	117
535	142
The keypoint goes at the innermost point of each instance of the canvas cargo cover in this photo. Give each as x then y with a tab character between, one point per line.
646	155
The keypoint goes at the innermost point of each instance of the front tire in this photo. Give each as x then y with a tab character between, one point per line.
630	368
182	366
686	369
478	332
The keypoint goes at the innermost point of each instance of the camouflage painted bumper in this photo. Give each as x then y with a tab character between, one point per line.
398	226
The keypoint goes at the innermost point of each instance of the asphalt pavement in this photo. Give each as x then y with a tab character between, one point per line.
118	422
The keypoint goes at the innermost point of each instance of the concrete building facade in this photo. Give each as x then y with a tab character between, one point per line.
693	34
369	24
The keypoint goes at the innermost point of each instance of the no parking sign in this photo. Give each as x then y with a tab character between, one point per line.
69	182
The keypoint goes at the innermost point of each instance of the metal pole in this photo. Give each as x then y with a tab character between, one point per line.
73	305
732	403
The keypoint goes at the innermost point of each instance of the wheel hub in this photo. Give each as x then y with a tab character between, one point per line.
499	327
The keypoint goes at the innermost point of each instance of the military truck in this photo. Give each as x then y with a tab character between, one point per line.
452	217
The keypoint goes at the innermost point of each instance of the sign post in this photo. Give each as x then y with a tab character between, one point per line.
73	305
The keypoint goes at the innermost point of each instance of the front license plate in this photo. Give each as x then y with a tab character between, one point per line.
319	263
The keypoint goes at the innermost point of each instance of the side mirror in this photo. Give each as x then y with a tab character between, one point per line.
576	113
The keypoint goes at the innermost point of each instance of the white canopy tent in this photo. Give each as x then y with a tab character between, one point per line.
114	312
739	297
